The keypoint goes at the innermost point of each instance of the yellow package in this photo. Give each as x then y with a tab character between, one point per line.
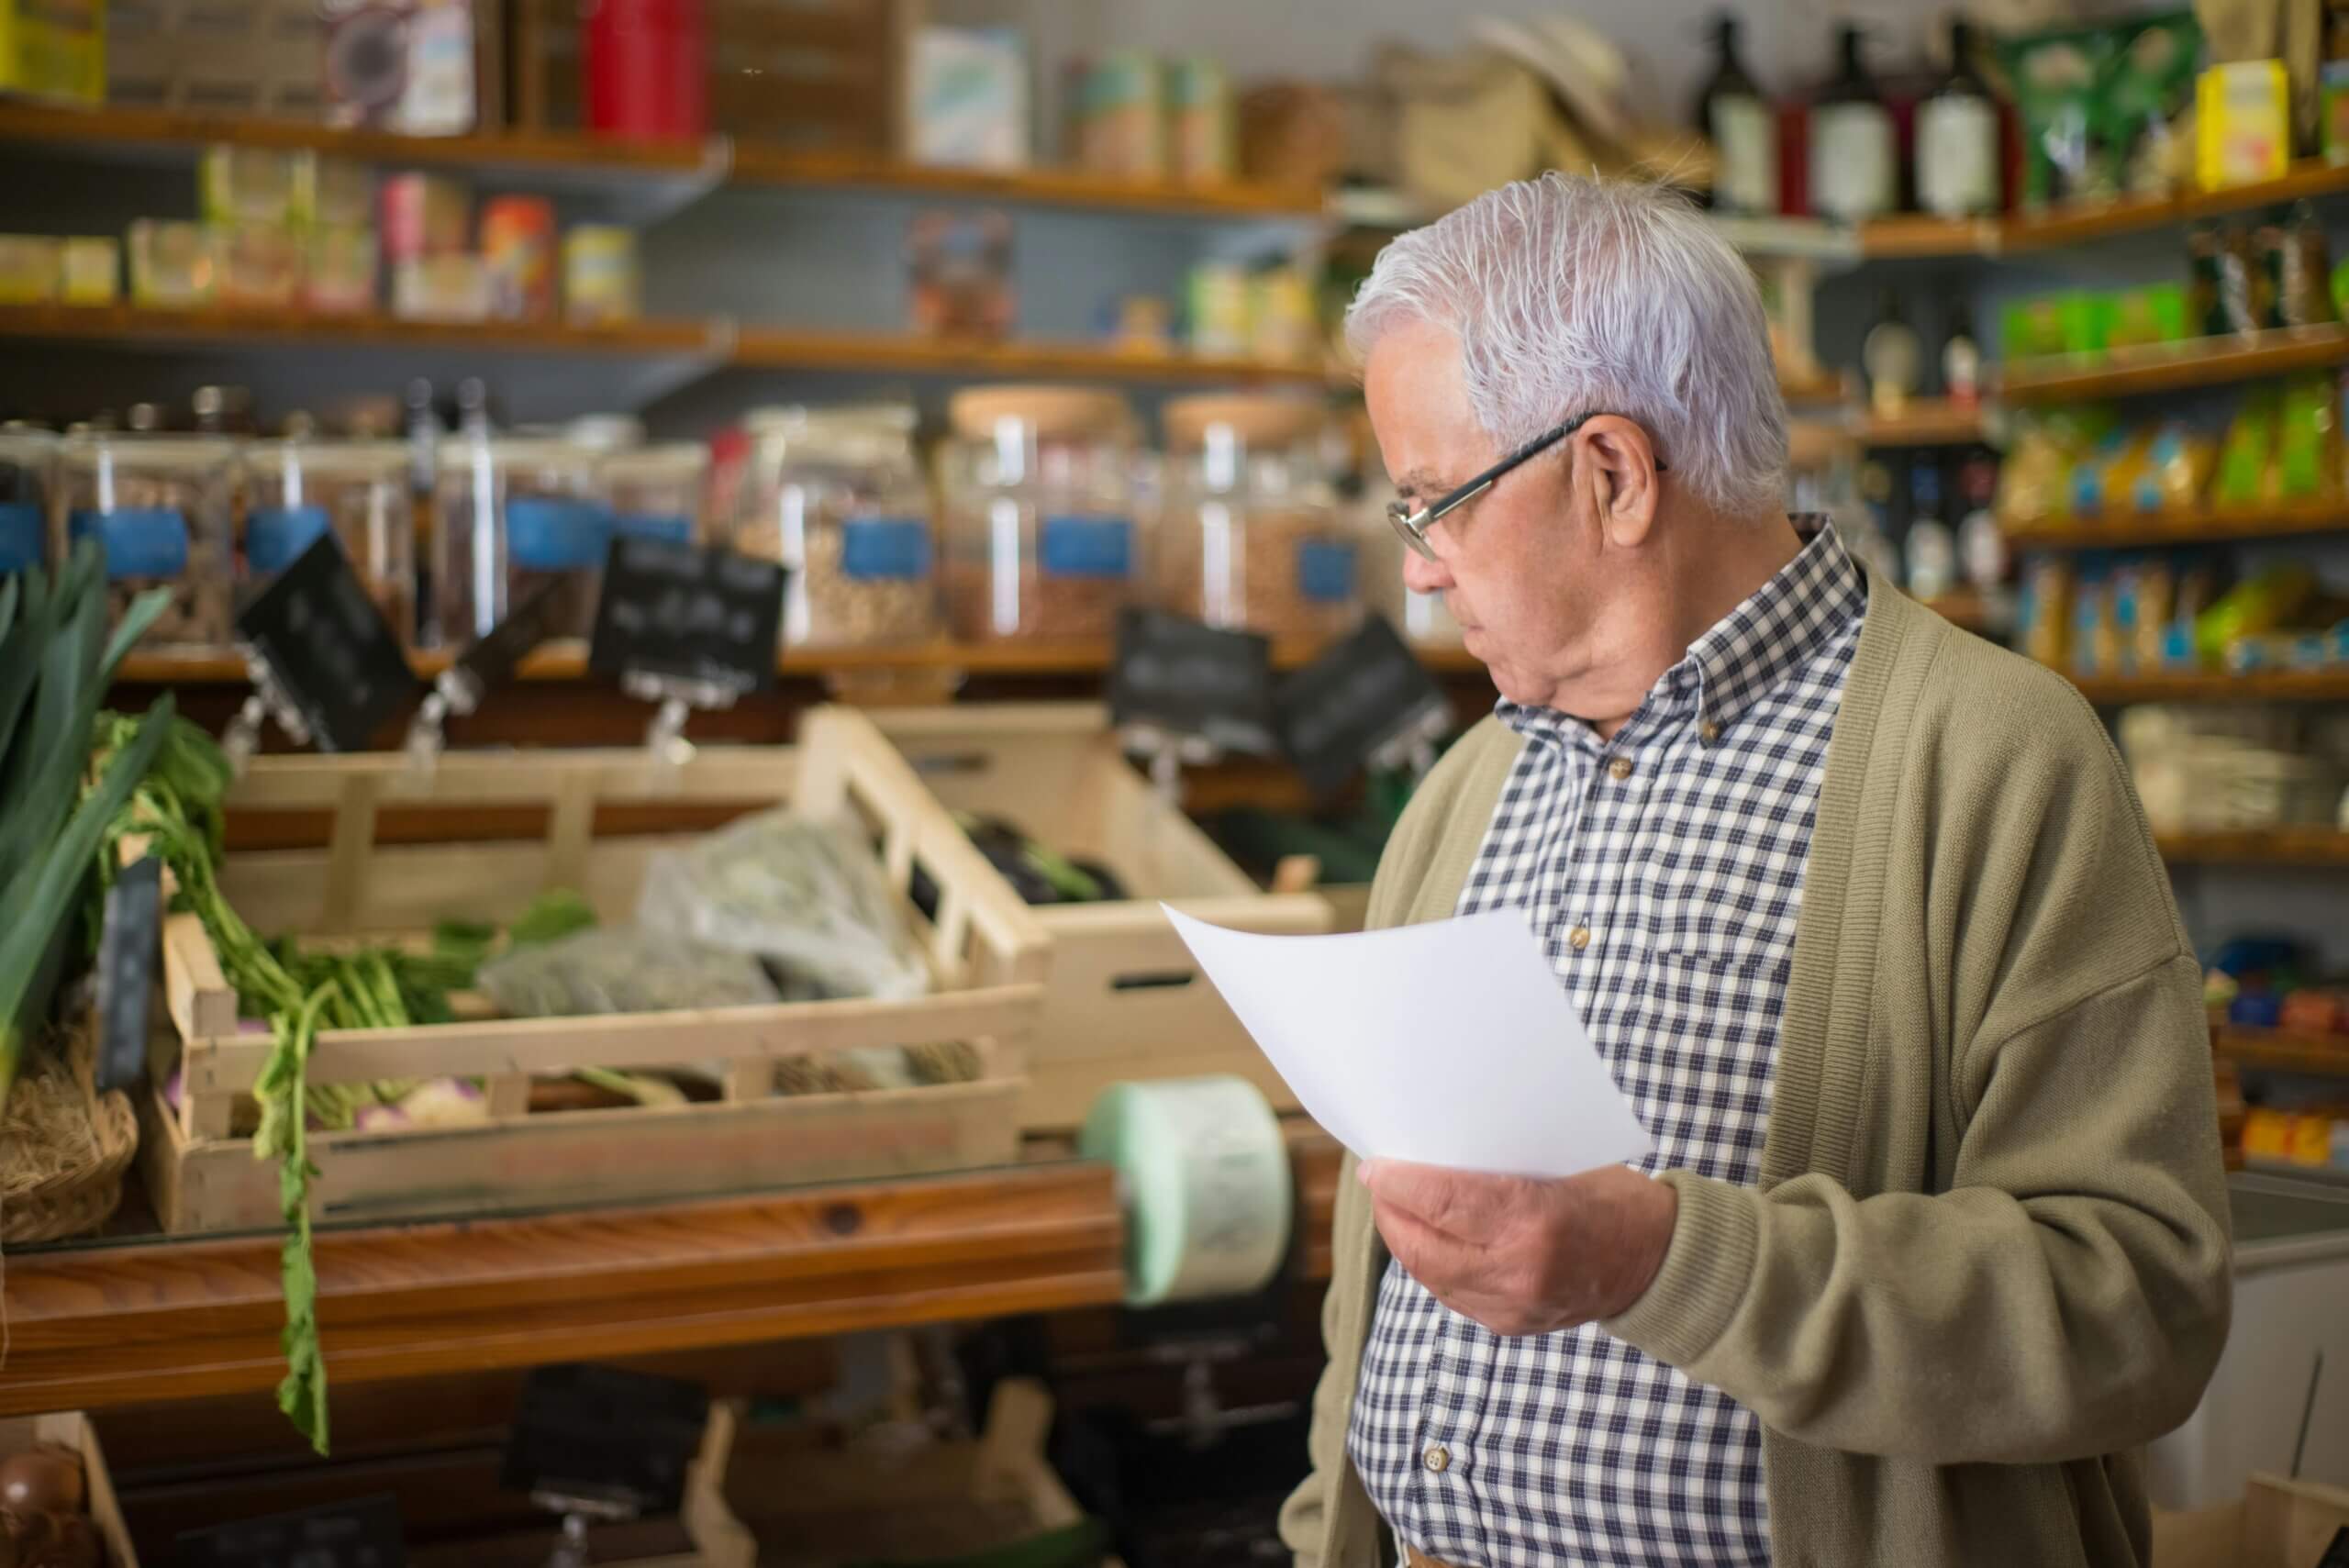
2044	616
2107	481
2242	124
2154	592
49	51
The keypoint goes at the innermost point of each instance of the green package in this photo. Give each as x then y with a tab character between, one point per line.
2054	75
2245	455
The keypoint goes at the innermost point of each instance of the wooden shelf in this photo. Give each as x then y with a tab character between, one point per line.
2281	1049
758	347
2166	367
1823	386
585	157
1928	422
2208	525
2263	847
793	348
2085	225
1919	237
2267	686
133	325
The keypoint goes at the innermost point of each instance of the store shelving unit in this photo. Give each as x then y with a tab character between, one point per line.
2282	1049
2257	847
2203	525
2266	685
2142	370
146	134
1927	422
2136	215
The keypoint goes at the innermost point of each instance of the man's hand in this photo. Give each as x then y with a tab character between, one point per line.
1522	1256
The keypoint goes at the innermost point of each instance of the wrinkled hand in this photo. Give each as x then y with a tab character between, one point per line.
1522	1256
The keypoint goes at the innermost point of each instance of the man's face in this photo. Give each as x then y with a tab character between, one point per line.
1521	565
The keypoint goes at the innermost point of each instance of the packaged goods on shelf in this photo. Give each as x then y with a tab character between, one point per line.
2229	769
90	270
599	274
172	264
296	489
837	496
54	51
1041	540
658	491
245	184
1220	308
1200	128
517	240
513	515
2242	124
257	265
1119	125
2097	106
958	264
338	270
164	508
1251	536
451	287
402	65
424	214
27	455
2311	1140
966	97
30	269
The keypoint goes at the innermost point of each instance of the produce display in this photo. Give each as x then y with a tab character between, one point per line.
1039	874
44	1518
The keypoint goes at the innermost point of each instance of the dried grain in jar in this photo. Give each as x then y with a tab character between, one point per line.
1042	543
516	514
658	491
297	489
164	507
837	496
1251	536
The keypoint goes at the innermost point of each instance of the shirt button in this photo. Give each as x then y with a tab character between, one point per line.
1708	732
1619	768
1579	937
1438	1458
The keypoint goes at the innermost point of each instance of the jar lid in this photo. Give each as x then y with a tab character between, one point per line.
344	459
1051	410
1256	418
605	432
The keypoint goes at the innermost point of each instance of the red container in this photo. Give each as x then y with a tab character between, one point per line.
517	247
647	64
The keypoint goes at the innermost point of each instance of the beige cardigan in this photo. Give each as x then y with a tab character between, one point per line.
1988	1256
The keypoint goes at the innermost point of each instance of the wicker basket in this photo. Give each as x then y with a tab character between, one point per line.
79	1201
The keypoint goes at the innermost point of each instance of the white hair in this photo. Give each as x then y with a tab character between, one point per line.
1578	296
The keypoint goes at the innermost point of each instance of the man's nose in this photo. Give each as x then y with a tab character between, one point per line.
1424	576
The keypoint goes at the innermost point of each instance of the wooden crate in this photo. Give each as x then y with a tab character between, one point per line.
987	954
243	57
71	1429
1126	999
814	1507
2277	1524
824	75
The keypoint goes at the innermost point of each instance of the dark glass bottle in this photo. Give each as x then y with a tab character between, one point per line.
1957	139
1742	125
1854	172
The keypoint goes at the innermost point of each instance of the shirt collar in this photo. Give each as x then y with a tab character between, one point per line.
1748	652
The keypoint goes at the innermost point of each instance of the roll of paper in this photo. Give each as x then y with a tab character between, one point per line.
1204	1177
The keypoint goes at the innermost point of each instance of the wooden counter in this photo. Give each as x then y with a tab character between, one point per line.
137	1322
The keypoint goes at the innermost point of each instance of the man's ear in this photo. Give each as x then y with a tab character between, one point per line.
1620	465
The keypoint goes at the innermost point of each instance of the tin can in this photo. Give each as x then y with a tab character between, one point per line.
599	274
517	248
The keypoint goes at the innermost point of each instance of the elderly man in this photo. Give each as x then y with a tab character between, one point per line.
1864	916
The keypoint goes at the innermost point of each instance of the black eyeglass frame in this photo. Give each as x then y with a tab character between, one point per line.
1413	525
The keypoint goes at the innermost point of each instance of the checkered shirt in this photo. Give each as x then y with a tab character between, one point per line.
1661	870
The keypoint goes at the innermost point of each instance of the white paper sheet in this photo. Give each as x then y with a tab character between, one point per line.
1446	1044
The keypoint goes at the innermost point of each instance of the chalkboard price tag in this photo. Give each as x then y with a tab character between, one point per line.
1337	712
1175	674
363	1533
128	945
687	612
2336	1555
602	1433
329	648
492	660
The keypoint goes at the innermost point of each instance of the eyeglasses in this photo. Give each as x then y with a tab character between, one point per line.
1413	525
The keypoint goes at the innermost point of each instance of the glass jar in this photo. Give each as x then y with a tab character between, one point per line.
26	454
1041	540
1251	537
164	508
297	488
658	491
837	496
516	514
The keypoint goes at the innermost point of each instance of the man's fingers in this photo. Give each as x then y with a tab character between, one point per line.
1433	1257
1462	1202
